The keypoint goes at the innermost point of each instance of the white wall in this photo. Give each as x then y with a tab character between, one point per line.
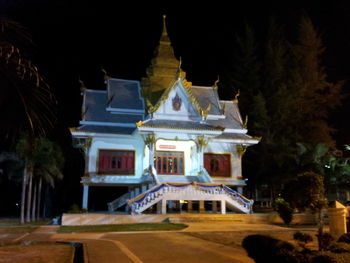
117	143
236	166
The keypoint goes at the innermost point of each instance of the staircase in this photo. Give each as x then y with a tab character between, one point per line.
191	191
119	202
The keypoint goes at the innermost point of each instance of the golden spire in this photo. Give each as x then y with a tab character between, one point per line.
164	36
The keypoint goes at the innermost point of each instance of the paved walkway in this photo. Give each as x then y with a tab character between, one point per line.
153	247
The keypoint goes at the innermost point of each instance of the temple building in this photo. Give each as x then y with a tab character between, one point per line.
170	142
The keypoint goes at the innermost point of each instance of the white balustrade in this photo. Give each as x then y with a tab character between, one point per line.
189	192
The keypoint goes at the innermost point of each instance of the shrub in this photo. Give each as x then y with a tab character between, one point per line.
339	247
323	259
75	209
284	210
344	238
325	241
263	248
302	238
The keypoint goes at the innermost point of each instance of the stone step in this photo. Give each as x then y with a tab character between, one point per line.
205	218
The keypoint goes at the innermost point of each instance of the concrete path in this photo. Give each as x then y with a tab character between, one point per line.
153	247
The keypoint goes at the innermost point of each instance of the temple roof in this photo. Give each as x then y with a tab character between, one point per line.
205	96
124	94
94	109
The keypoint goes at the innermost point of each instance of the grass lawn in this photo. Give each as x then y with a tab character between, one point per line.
13	225
45	253
122	227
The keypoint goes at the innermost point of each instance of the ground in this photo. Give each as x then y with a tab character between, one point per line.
203	242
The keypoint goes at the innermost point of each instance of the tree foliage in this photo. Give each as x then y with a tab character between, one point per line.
26	102
286	94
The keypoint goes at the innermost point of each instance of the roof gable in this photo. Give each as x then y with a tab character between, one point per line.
176	104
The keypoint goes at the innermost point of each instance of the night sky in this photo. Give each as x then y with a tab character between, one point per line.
75	39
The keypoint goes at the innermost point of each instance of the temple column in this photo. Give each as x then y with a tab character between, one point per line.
223	207
189	207
161	207
137	191
143	188
85	197
214	206
152	146
201	206
132	193
201	143
240	189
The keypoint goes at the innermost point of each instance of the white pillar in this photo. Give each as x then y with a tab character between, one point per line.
189	206
85	197
223	207
240	189
201	206
132	193
137	191
214	207
163	207
152	147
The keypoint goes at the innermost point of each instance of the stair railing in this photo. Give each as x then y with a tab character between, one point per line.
155	194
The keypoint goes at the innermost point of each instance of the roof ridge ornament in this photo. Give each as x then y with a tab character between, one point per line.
235	100
180	73
82	86
105	77
216	83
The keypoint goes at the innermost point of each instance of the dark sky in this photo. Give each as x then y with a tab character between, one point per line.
77	38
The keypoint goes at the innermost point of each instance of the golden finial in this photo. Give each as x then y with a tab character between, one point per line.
164	36
216	83
181	73
236	97
205	112
105	77
82	86
139	123
164	33
245	123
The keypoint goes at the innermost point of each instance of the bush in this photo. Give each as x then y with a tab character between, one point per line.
325	241
302	237
284	210
344	238
323	259
267	249
75	209
339	247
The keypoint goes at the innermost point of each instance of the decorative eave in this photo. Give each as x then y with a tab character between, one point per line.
176	130
240	141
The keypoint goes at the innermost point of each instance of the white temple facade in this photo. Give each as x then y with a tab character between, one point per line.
185	146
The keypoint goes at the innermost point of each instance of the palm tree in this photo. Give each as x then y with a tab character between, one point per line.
27	103
43	163
48	170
